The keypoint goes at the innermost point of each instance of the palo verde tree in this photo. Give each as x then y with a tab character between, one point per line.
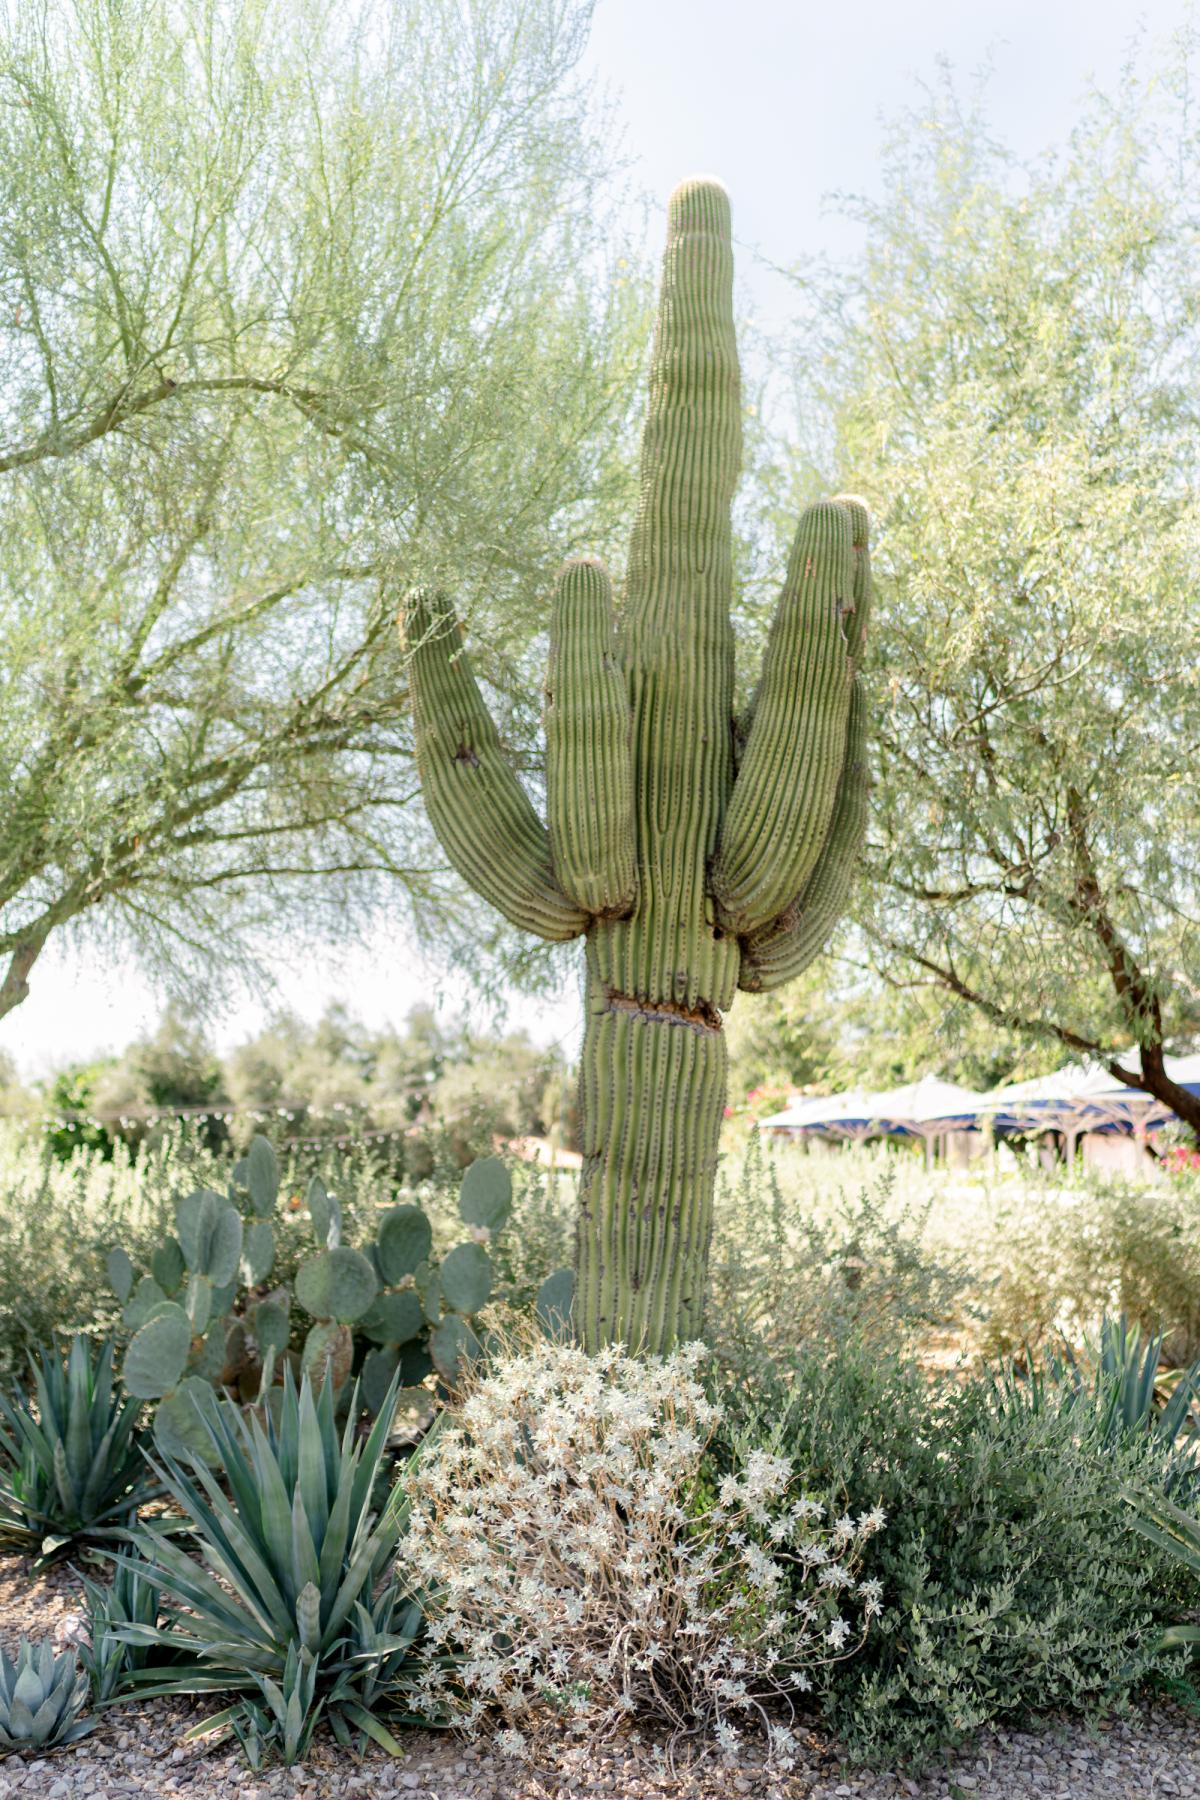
1011	371
299	301
696	854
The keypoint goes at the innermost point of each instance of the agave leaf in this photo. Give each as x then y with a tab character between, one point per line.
333	1548
231	1548
77	1426
100	1469
20	1718
306	1568
363	1566
308	1616
311	1472
378	1733
181	1577
274	1518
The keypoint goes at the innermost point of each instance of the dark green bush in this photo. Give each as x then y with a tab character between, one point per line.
1012	1583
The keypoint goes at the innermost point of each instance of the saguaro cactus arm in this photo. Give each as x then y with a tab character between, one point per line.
778	951
785	947
589	771
477	806
783	799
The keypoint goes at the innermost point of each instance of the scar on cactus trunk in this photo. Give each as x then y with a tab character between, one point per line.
696	853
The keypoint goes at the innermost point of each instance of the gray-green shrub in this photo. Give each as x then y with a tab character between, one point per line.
1012	1583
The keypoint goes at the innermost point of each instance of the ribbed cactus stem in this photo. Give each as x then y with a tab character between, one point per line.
476	804
589	775
787	782
780	950
784	948
653	1093
678	641
687	882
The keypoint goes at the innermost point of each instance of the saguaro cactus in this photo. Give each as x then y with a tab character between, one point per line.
696	853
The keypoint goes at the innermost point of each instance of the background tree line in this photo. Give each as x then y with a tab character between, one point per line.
427	1092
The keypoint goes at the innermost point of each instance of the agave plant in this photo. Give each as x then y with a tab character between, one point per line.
285	1600
1118	1382
41	1698
1178	1534
288	1719
71	1466
131	1598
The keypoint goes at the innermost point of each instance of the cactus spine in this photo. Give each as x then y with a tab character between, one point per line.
691	871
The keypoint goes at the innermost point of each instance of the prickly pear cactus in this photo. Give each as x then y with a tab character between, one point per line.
206	1319
179	1314
696	854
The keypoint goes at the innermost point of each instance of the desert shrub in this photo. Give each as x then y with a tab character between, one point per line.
781	1271
1012	1585
1058	1259
1115	1381
59	1219
583	1572
1033	1253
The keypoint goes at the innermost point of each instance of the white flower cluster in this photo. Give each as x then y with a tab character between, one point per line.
578	1570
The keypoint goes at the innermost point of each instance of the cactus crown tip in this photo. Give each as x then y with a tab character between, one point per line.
701	203
860	518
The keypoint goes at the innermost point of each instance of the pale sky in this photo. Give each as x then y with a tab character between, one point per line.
785	102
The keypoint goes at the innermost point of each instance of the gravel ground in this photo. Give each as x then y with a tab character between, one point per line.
136	1754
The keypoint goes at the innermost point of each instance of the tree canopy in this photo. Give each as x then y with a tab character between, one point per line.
1009	375
300	303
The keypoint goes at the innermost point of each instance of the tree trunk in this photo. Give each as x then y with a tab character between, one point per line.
15	986
1154	1080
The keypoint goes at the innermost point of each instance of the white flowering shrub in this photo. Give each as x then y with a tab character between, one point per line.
581	1569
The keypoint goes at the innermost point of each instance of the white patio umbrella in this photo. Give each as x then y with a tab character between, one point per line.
926	1109
1087	1097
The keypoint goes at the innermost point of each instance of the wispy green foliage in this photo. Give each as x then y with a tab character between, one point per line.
1008	371
298	301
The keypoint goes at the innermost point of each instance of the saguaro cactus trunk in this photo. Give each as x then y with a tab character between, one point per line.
696	853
